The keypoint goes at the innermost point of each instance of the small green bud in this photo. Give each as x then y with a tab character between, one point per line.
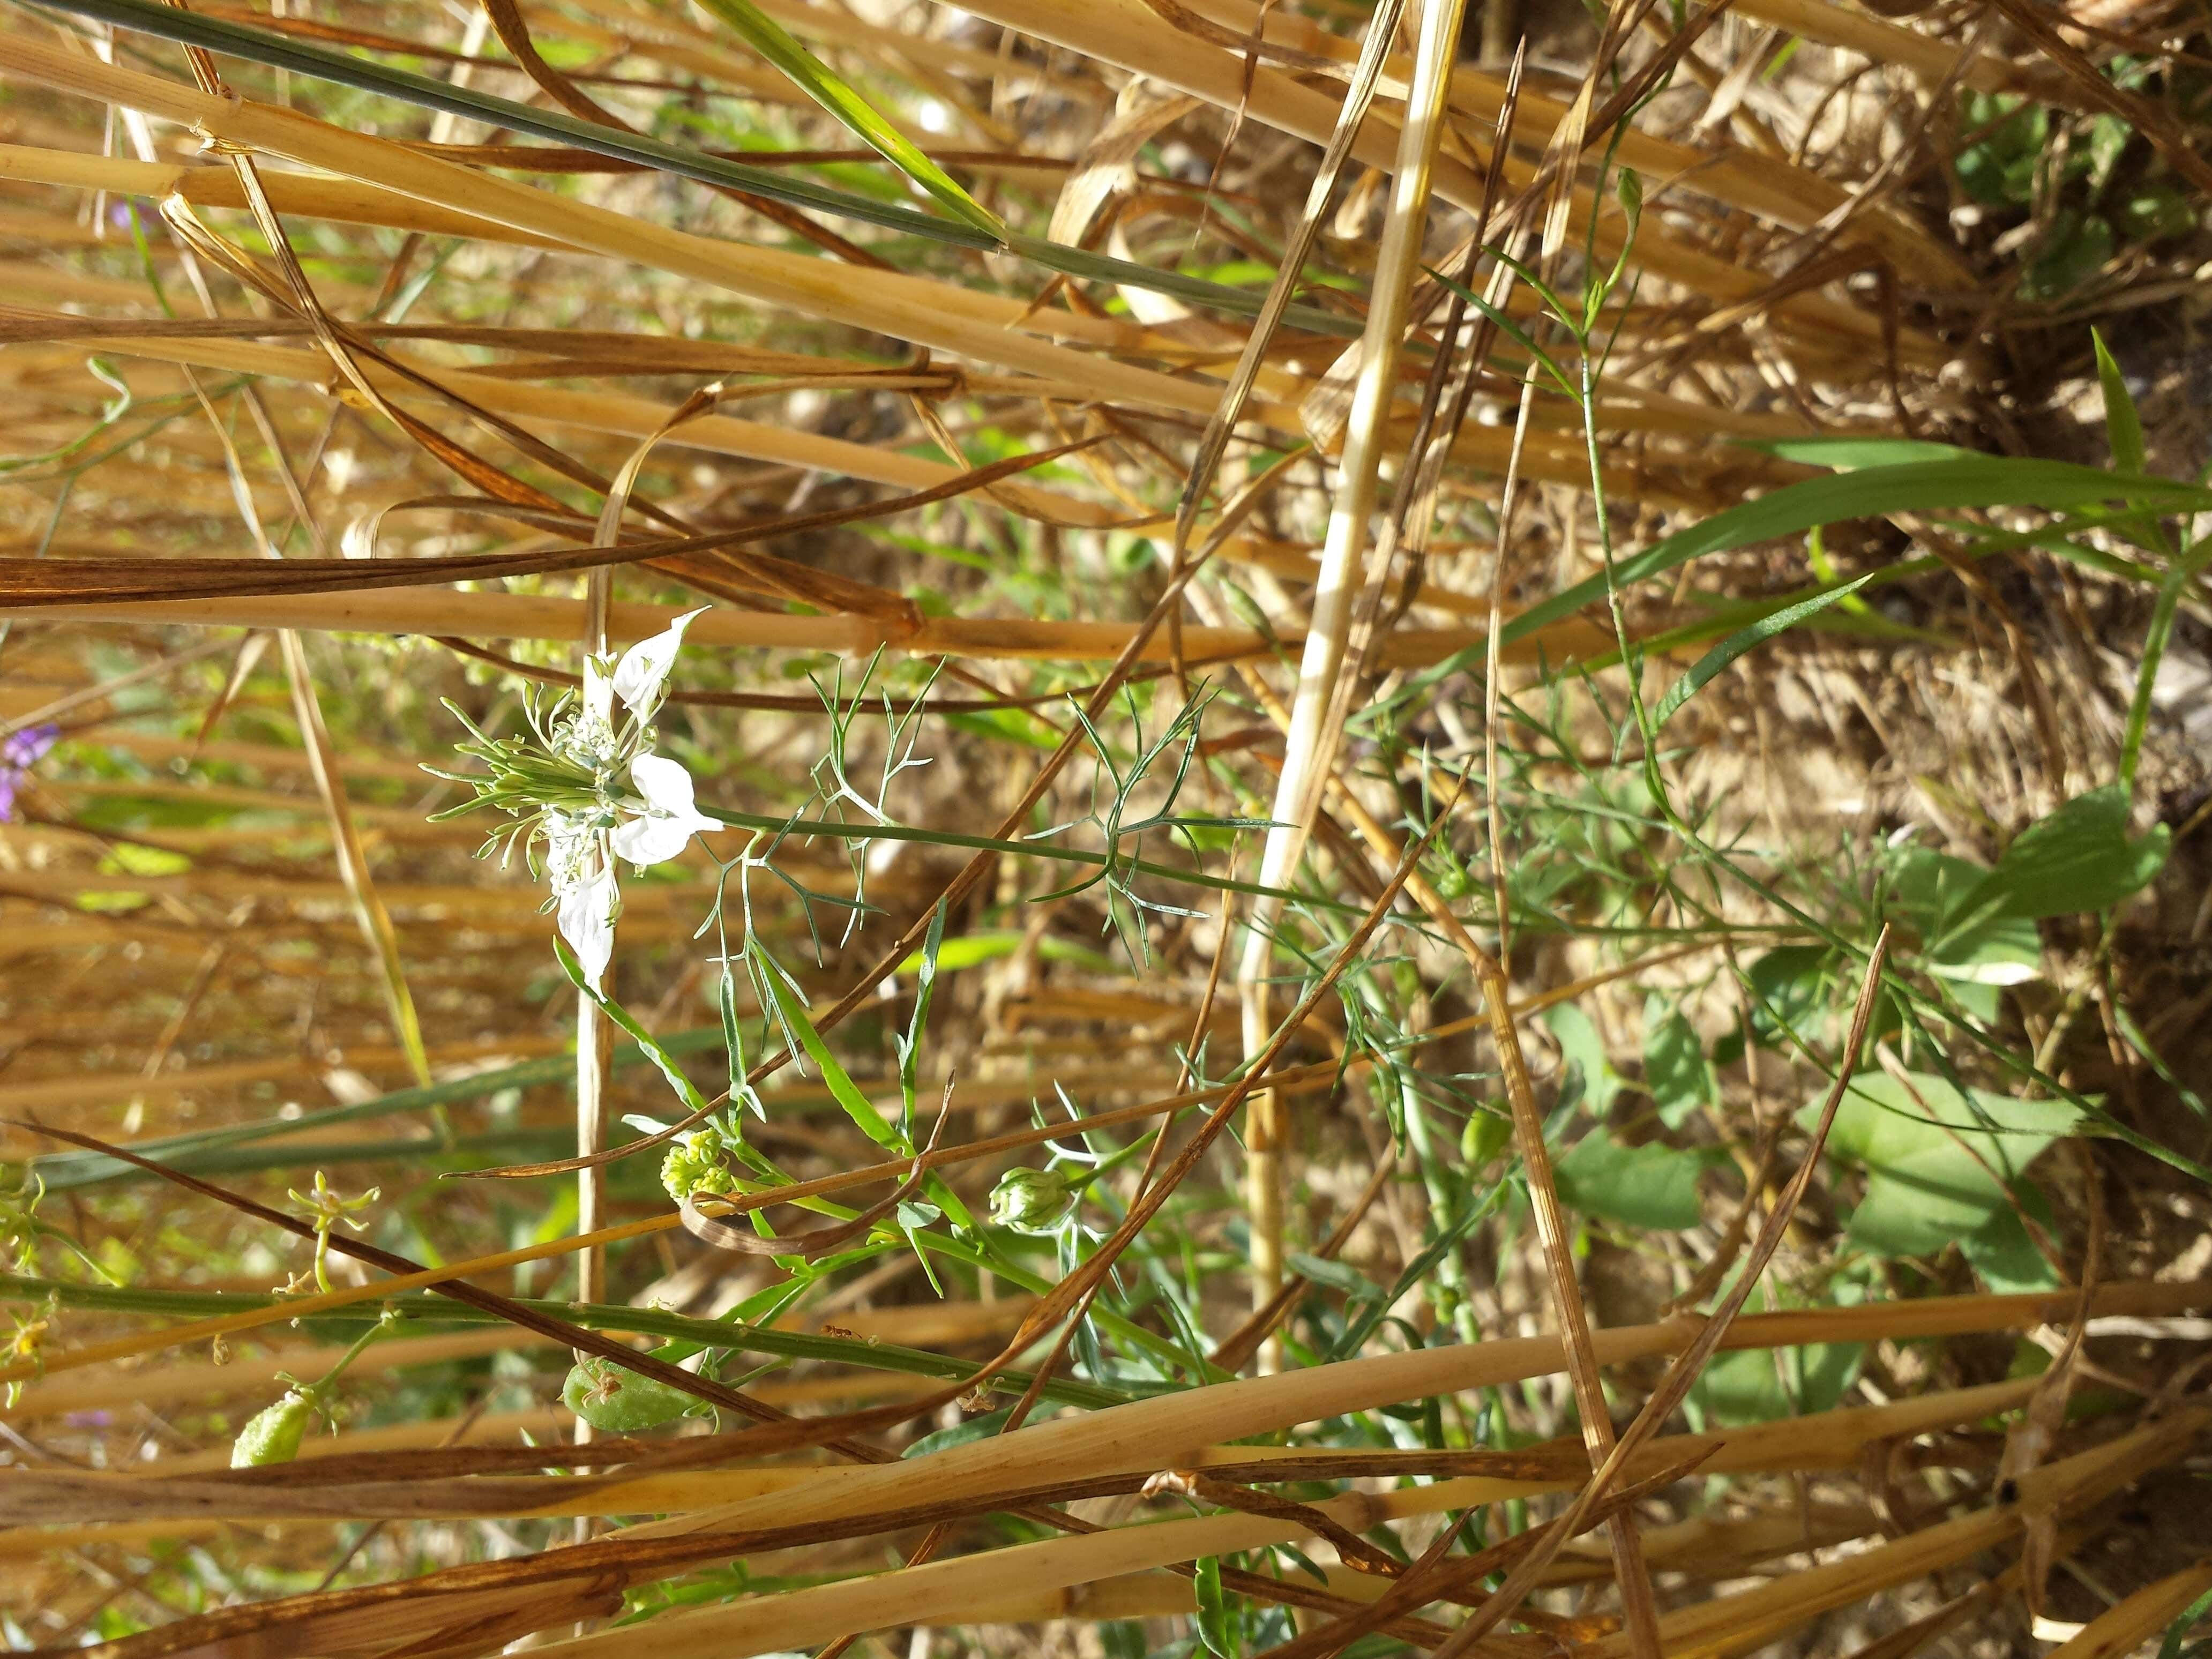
611	1397
1032	1200
694	1164
273	1434
1484	1137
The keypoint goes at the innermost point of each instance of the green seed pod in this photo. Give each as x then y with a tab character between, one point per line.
1032	1200
273	1434
611	1397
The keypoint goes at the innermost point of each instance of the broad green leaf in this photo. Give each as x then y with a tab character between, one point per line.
1701	671
2074	252
1930	892
2108	142
2078	859
1676	1070
1585	1051
1654	1187
1789	987
2122	426
1760	1385
2154	210
975	1428
2003	1256
814	78
1957	482
1932	1180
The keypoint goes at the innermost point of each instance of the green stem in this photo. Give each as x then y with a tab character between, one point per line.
833	830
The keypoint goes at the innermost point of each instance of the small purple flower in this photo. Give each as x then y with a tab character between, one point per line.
19	753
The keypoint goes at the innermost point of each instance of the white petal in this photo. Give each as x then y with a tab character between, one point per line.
664	784
2000	972
654	838
598	693
586	919
644	668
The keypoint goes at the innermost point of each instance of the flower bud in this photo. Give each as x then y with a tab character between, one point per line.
273	1434
1032	1200
694	1165
1488	1134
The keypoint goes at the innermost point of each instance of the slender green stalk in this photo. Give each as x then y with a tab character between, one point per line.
2186	569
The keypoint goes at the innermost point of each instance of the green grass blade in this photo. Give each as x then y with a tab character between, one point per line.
427	1308
2185	571
686	1090
791	1003
1703	671
1931	486
814	78
2122	424
364	75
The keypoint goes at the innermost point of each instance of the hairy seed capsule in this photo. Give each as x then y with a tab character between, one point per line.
273	1434
608	1396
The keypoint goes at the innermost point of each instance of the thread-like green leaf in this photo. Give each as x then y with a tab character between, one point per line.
665	1062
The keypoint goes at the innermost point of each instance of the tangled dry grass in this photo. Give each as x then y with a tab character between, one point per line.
1502	698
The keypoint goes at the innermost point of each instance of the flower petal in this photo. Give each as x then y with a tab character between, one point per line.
27	747
664	784
598	708
586	919
642	673
653	838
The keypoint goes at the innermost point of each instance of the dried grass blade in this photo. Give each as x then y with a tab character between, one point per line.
1683	1374
1358	98
575	1336
1304	760
2120	1630
213	34
30	583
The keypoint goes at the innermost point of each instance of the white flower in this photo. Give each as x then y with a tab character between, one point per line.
586	899
568	787
666	825
641	678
